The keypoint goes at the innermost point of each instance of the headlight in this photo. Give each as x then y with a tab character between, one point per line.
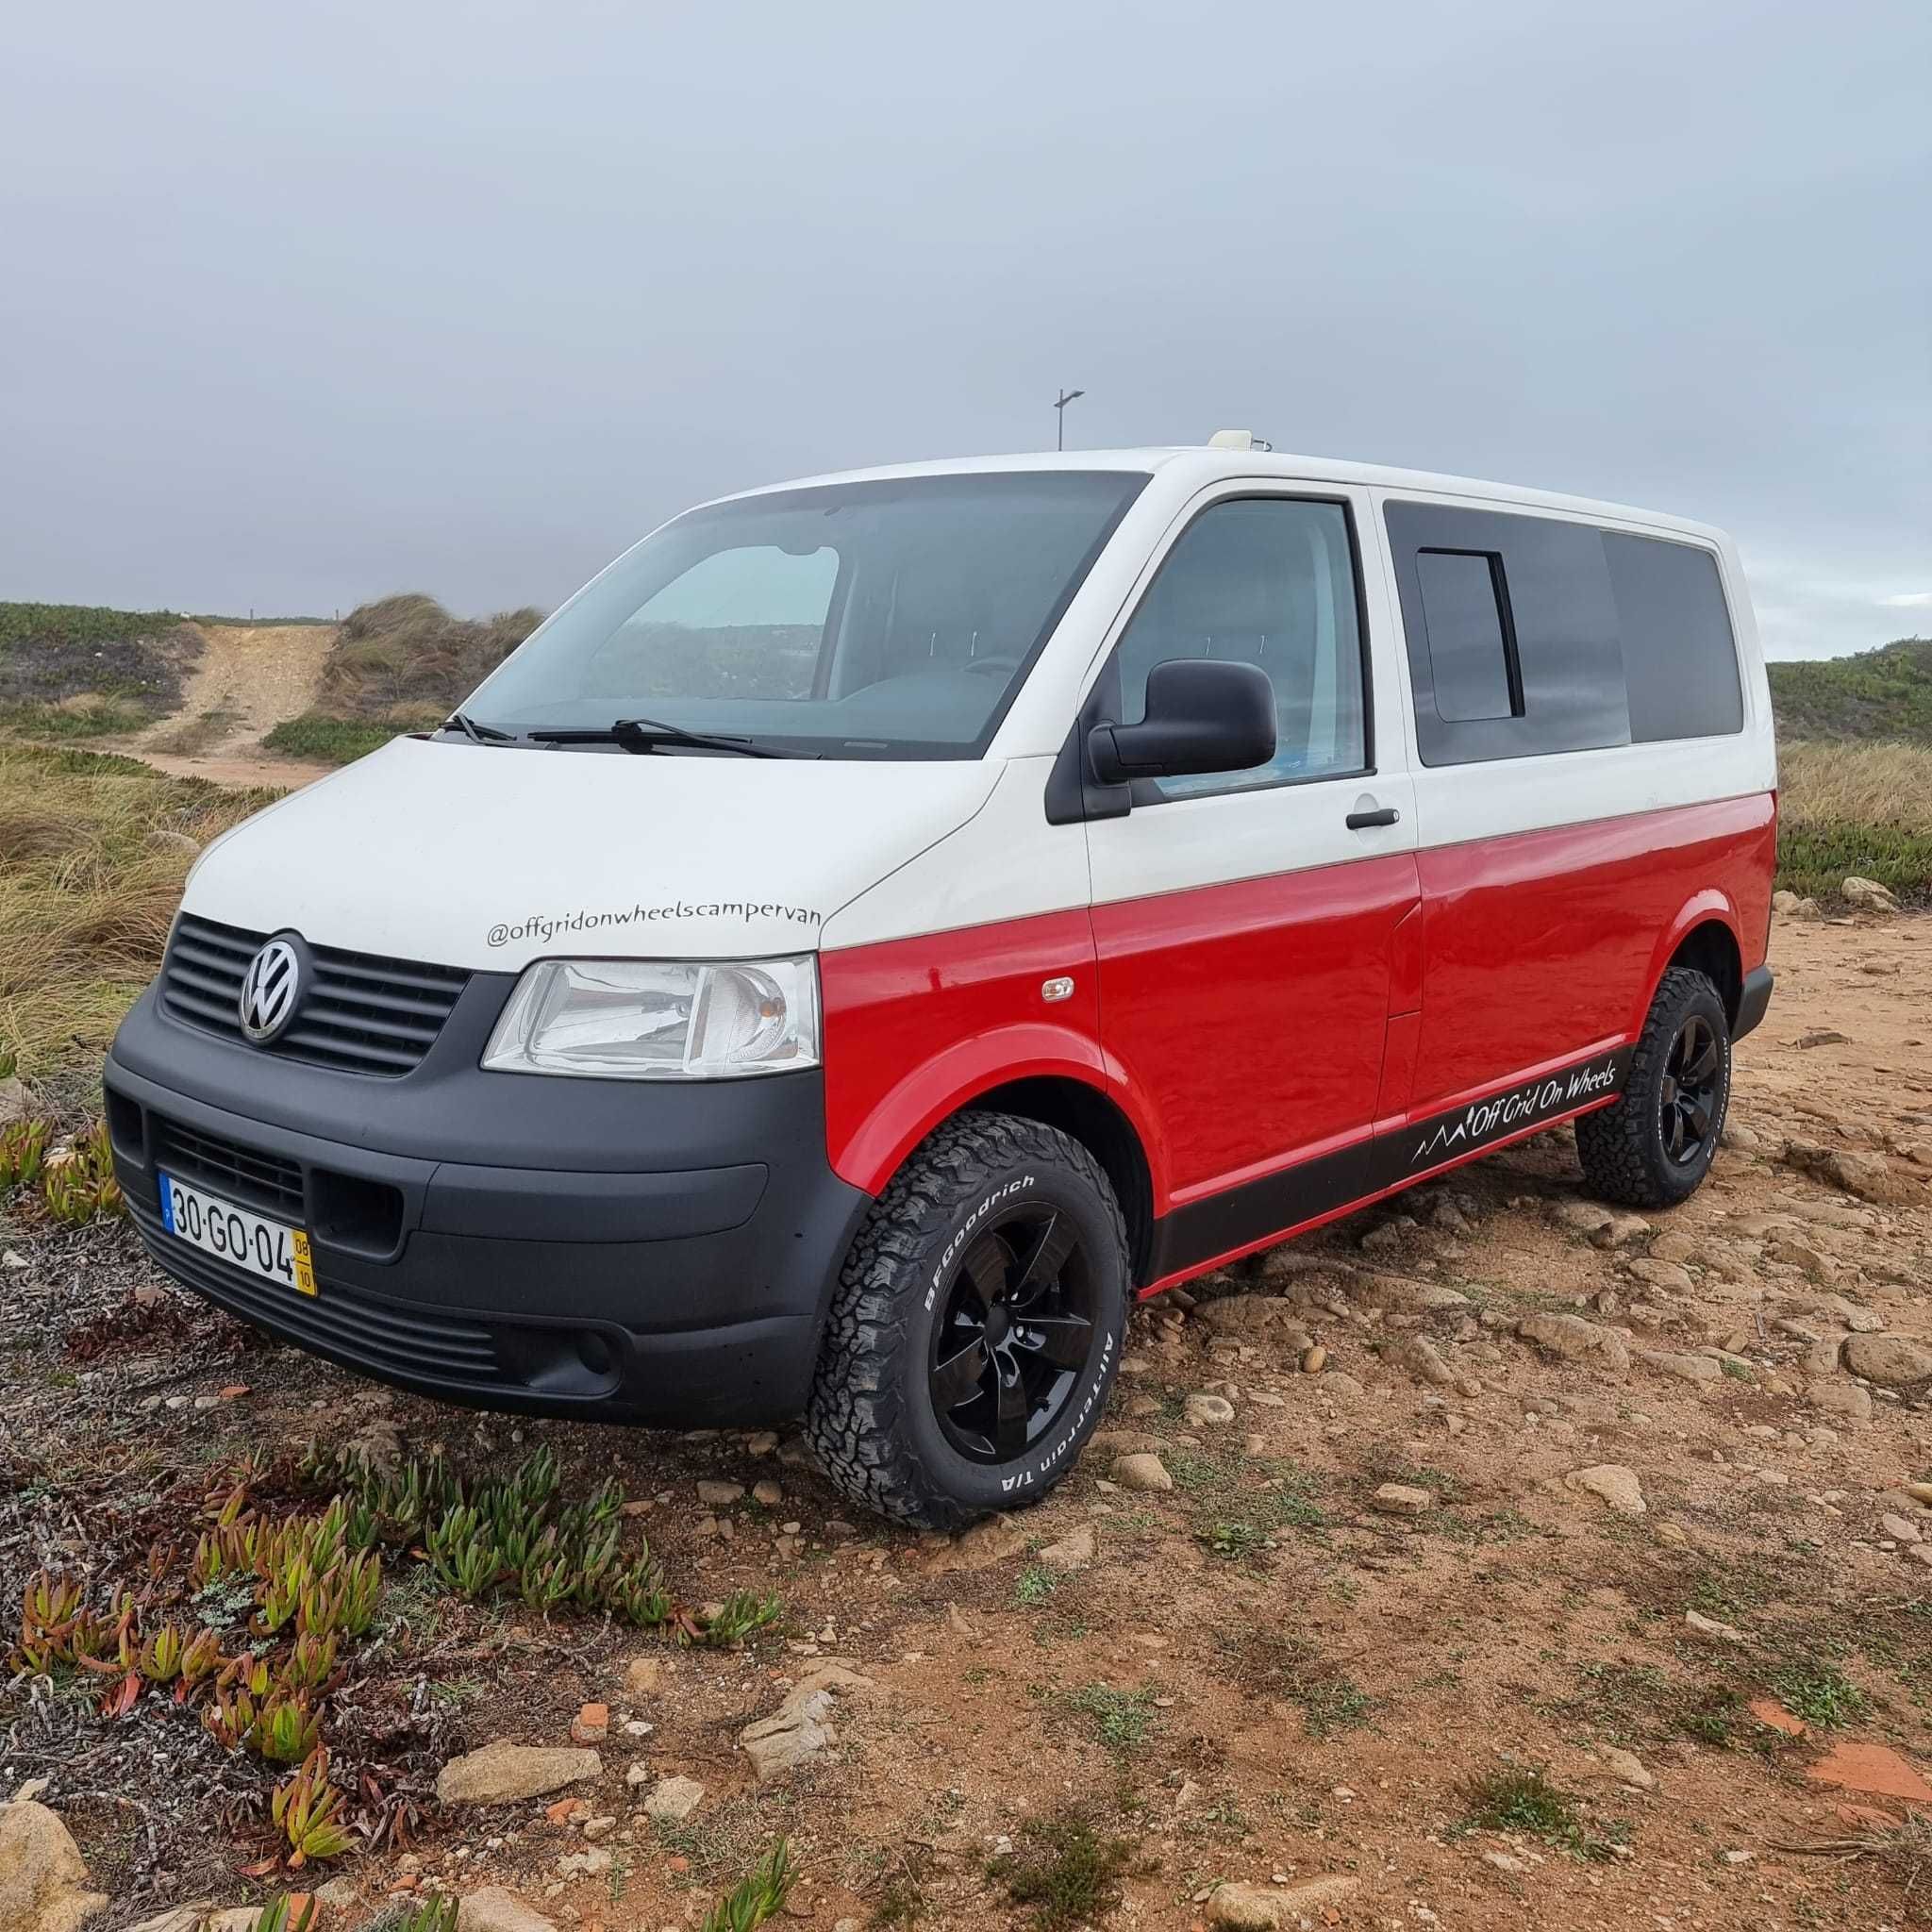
659	1019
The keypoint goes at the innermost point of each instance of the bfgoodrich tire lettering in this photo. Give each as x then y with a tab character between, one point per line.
1652	1146
983	1193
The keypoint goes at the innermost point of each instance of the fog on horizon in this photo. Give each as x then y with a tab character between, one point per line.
304	307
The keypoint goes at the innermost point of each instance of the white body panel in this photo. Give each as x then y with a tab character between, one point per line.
461	854
455	853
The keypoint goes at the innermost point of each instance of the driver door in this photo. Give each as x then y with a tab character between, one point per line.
1246	921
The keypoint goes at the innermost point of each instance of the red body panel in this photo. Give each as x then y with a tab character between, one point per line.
1245	1028
915	1029
1248	1018
1544	941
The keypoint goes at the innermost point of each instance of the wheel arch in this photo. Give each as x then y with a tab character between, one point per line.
1702	936
1030	1073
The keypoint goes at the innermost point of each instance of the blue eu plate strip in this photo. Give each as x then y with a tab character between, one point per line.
167	1206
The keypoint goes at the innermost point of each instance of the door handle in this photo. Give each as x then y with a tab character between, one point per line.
1381	815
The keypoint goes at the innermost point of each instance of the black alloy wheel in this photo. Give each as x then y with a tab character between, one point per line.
1015	1333
1693	1071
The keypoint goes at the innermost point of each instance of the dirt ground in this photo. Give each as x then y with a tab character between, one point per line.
250	678
1264	1674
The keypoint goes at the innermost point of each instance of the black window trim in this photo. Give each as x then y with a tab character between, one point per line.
1506	625
1072	791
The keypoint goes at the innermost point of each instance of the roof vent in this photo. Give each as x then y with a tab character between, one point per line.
1239	440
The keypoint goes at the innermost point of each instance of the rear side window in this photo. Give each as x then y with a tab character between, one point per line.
1529	635
1680	660
1268	581
1472	655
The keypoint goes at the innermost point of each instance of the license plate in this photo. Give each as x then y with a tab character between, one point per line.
239	1235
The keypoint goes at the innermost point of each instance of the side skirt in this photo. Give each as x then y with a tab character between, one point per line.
1223	1227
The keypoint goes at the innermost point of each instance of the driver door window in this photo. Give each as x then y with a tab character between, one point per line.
1267	581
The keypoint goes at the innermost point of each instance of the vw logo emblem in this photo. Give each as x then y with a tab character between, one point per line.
270	989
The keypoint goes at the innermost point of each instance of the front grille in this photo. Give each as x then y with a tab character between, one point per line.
262	1181
377	1336
359	1012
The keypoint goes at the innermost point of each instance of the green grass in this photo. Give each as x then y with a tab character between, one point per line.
35	625
760	1895
1512	1798
1035	1584
1881	693
1813	860
1820	1694
108	717
1064	1870
130	662
326	740
1121	1719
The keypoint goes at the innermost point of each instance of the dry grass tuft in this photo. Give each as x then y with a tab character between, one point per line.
1872	782
90	873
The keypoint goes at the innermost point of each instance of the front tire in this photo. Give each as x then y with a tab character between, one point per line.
1652	1146
976	1328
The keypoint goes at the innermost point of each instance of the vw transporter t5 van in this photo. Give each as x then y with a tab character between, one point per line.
883	926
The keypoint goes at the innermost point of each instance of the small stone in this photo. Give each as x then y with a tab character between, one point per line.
591	1725
1841	1398
643	1676
1575	1339
1207	1411
1402	1499
595	1828
768	1493
1239	1908
1899	1529
493	1910
1709	1626
1142	1472
43	1880
502	1772
1314	1359
1614	1483
673	1799
714	1494
1628	1769
1889	1361
1074	1551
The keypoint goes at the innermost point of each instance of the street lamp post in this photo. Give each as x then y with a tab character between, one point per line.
1060	431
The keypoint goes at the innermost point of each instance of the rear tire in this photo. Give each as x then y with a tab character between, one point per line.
1652	1146
976	1328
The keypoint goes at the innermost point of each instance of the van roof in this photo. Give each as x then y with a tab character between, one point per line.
1208	465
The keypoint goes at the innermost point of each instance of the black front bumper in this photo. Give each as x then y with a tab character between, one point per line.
613	1249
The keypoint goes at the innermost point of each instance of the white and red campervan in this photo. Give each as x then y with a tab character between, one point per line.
883	926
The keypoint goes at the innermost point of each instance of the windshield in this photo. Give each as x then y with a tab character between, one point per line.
867	619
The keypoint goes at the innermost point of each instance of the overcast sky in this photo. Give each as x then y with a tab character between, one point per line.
303	304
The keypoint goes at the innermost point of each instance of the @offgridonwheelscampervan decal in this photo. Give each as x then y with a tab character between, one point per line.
1522	1106
544	928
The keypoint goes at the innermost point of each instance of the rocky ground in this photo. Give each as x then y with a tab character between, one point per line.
1491	1559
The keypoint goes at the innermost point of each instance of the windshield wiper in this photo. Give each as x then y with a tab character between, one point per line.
475	733
647	734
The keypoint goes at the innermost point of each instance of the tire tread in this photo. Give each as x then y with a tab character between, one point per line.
854	1420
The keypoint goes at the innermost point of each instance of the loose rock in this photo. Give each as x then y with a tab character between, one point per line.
493	1910
43	1880
1402	1499
1142	1472
1889	1361
672	1800
1266	1908
502	1772
1616	1484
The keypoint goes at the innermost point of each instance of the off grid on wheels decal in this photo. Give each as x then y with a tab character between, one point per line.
1450	1134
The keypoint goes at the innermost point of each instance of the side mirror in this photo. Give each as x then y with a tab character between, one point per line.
1203	714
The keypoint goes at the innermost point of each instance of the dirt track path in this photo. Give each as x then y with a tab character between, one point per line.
250	679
